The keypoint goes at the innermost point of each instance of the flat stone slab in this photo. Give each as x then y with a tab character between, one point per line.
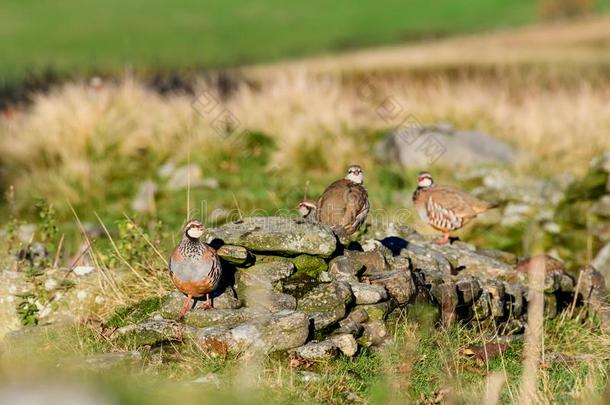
266	333
102	361
326	303
151	332
265	273
277	235
272	300
368	293
233	254
220	317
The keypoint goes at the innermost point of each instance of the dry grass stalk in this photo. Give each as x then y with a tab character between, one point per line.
493	388
534	333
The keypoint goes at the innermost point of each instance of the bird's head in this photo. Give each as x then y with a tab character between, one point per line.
424	180
355	174
194	229
305	207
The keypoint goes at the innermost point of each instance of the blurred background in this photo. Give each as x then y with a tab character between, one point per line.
120	120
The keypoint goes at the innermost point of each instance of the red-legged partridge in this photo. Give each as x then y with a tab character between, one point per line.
344	204
445	208
194	267
307	210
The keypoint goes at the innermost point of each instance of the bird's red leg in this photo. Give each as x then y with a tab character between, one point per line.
207	304
185	307
444	239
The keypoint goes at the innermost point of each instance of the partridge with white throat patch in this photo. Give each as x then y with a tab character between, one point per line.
307	210
194	267
445	208
344	204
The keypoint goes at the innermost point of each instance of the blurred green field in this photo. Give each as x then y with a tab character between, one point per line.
73	36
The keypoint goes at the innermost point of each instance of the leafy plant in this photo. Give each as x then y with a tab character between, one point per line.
27	309
47	227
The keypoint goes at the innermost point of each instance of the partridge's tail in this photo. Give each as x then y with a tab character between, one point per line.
485	205
340	231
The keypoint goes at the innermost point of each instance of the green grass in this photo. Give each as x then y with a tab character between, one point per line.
134	313
422	360
248	187
73	36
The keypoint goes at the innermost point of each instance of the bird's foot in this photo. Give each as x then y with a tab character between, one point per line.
442	241
205	305
185	308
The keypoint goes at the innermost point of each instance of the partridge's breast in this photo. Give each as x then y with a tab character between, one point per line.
192	270
333	203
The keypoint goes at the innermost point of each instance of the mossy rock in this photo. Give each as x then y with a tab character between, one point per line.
235	255
326	304
377	311
135	313
151	332
229	318
268	274
309	265
276	235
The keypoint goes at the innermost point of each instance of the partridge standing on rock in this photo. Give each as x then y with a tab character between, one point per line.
194	267
445	208
307	209
344	204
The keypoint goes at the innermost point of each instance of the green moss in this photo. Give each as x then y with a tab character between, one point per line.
309	265
377	311
136	312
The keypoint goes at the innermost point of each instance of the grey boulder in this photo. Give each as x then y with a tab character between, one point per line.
277	235
415	146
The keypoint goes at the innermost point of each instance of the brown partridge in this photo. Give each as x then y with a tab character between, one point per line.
194	267
445	208
344	204
307	210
